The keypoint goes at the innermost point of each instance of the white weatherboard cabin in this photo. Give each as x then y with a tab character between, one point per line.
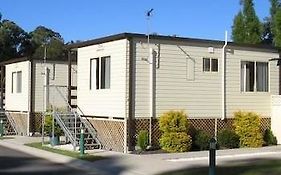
32	86
124	84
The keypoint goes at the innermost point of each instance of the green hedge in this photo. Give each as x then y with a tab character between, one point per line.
174	126
228	139
247	127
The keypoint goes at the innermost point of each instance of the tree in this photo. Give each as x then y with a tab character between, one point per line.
14	41
237	29
44	37
277	28
247	25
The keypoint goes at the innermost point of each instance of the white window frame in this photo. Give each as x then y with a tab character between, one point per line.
210	65
96	79
255	77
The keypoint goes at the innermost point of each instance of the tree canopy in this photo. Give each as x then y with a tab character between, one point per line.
44	37
246	25
16	42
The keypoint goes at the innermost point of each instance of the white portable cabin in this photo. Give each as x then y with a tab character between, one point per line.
122	78
30	91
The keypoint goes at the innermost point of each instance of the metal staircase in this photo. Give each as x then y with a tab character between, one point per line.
72	122
9	125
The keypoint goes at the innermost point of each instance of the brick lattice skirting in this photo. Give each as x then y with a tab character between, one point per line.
35	122
21	122
207	125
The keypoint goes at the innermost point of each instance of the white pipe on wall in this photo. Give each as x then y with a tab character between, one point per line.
152	69
223	78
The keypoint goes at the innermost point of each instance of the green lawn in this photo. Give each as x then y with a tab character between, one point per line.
3	138
73	154
246	167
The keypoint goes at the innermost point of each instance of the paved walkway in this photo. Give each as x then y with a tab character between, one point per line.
128	164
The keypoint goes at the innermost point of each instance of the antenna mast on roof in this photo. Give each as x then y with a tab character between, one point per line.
148	16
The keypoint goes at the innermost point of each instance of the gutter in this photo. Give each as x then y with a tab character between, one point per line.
223	79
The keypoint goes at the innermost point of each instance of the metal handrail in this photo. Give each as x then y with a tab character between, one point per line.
64	128
87	124
12	122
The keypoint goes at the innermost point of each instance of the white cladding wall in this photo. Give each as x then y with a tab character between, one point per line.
200	97
58	76
103	102
259	102
17	101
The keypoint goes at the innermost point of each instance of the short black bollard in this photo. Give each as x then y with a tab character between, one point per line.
212	156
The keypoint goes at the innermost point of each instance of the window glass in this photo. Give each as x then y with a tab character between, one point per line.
214	65
206	64
19	81
262	77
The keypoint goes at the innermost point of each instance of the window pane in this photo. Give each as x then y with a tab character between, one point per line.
206	64
242	76
14	82
214	65
250	76
19	81
247	76
94	74
262	77
105	73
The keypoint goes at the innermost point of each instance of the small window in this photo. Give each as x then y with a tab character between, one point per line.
210	65
17	82
100	73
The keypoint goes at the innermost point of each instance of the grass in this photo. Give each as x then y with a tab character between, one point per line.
4	138
73	154
248	167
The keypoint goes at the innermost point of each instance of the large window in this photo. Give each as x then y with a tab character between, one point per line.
100	73
254	76
210	65
17	82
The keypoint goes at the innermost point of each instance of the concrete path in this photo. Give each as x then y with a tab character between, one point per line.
128	164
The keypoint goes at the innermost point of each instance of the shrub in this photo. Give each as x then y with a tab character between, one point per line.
201	140
142	140
228	139
176	142
48	126
269	138
173	121
174	126
247	127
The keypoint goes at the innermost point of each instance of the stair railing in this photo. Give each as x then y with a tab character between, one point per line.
65	129
87	124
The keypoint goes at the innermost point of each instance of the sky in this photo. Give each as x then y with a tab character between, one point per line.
90	19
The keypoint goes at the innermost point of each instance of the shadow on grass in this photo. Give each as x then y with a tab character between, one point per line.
237	167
